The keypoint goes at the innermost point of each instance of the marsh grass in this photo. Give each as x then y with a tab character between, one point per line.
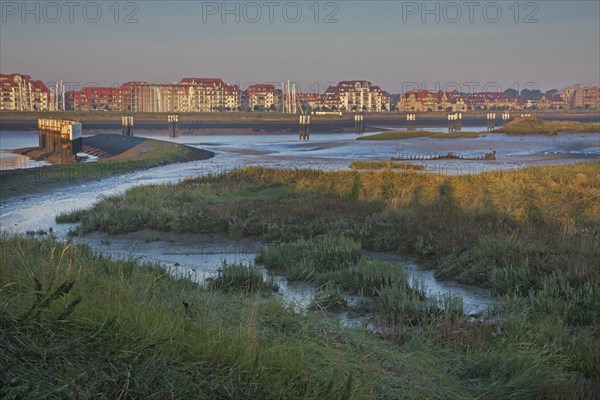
329	299
531	235
246	278
386	164
367	279
534	126
138	332
303	259
470	228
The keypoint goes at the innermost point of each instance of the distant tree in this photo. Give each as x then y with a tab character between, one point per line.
511	92
440	108
531	94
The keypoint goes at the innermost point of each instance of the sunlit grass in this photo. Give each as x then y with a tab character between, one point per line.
375	164
534	126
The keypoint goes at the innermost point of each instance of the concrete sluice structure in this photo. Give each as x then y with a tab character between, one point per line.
60	137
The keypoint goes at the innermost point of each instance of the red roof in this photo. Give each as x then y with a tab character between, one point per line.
9	80
262	88
202	80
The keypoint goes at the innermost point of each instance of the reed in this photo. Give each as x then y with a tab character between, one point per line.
242	277
139	332
303	259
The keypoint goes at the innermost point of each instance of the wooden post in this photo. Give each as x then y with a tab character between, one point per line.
304	127
127	125
173	121
491	121
359	124
411	121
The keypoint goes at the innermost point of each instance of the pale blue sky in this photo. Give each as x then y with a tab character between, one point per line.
385	42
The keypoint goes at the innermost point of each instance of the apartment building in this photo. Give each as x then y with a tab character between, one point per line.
356	95
263	97
552	102
189	95
584	97
19	92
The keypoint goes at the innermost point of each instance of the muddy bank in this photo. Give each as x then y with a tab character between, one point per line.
107	146
120	155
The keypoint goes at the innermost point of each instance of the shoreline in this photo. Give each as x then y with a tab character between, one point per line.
262	123
139	154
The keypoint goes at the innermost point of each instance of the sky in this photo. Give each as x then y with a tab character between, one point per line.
398	45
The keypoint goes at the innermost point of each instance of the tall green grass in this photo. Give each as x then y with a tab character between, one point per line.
76	324
470	228
303	259
241	277
367	279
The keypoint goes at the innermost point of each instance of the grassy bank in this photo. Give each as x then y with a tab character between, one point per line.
542	219
534	126
149	153
76	325
398	135
532	236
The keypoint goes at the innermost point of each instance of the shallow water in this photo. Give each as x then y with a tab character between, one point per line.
338	150
199	257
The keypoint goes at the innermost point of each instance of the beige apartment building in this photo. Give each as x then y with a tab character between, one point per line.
552	102
189	95
424	101
587	97
22	93
356	95
580	96
263	97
